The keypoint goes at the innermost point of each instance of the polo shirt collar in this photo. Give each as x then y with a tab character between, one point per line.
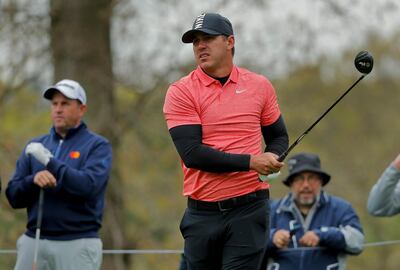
207	80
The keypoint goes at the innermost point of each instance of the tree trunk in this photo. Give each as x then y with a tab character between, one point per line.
80	42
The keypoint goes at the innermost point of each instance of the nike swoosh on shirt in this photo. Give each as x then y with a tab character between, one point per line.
240	91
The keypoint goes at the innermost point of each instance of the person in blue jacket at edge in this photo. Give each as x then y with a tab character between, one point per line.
71	166
311	229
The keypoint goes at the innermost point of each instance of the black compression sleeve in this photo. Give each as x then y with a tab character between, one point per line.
196	155
276	137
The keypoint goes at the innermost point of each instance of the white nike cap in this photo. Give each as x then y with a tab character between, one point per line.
69	88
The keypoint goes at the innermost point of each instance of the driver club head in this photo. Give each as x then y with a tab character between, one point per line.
364	62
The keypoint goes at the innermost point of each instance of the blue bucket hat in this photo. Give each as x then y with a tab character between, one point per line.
303	162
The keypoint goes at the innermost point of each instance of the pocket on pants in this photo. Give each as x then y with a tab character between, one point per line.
19	240
24	241
92	250
183	224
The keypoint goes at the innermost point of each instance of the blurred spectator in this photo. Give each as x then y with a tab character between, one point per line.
384	198
309	217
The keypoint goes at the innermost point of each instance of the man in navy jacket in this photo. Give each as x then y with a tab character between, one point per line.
70	166
309	228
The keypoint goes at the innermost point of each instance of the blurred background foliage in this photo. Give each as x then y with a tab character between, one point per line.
355	141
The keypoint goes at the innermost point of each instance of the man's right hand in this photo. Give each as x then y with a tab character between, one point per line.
44	179
396	162
281	239
265	163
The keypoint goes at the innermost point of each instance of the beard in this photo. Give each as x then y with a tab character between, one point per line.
306	201
302	200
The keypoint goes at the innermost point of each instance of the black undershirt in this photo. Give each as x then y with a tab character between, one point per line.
222	80
196	155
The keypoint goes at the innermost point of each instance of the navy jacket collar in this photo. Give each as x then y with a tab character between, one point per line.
70	132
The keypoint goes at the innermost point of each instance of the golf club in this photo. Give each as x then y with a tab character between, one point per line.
293	227
38	225
364	64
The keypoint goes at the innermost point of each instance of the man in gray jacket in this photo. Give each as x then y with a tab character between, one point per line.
384	198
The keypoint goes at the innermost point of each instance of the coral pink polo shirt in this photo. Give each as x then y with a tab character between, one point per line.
231	117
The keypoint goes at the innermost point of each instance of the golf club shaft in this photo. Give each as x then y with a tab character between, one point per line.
38	225
284	154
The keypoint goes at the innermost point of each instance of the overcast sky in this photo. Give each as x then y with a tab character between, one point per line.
272	36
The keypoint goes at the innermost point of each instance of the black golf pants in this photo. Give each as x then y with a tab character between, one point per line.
226	240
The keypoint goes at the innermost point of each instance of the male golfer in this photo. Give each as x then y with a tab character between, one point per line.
71	164
217	116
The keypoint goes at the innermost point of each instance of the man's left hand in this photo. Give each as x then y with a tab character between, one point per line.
309	239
